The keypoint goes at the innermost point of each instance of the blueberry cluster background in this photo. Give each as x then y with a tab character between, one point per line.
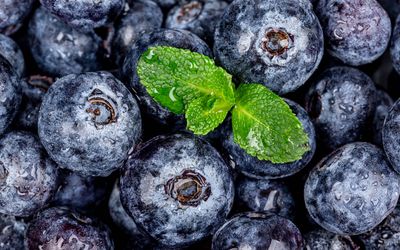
88	160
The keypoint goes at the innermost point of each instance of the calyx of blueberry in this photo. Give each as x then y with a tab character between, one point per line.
189	188
189	12
262	122
102	108
276	41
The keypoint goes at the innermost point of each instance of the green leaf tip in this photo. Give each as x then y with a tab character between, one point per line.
265	126
190	83
183	81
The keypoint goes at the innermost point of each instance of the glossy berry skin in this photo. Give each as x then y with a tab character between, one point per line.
29	178
89	122
321	239
395	45
12	232
162	37
340	103
84	14
383	104
142	16
81	193
11	51
178	189
255	168
268	196
390	136
352	190
60	50
356	32
33	90
198	16
58	228
386	235
12	14
258	231
276	43
10	94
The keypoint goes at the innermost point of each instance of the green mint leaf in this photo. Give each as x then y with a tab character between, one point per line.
176	77
206	113
264	125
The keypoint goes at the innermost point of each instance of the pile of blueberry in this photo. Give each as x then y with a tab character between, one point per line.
88	160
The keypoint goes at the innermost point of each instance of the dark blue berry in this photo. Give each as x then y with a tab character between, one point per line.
10	94
11	51
385	236
135	237
395	46
320	239
85	14
81	193
269	196
391	135
58	228
340	103
12	232
33	91
178	189
163	37
383	104
258	231
88	123
352	190
276	43
356	32
255	168
60	50
142	16
28	177
13	13
198	16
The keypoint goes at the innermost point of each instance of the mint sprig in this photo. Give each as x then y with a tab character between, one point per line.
191	83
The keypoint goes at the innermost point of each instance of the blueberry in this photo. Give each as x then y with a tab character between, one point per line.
135	238
356	32
12	232
28	177
84	14
352	190
252	167
33	91
321	239
10	94
89	122
270	196
395	46
58	228
11	51
178	189
143	16
81	193
198	16
162	37
12	14
340	103
390	136
276	43
382	107
257	231
386	235
60	50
